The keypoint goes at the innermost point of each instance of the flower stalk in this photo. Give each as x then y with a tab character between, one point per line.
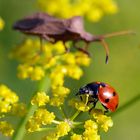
20	132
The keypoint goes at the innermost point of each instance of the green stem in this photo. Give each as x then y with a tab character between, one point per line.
75	115
56	122
20	131
45	129
78	123
126	105
63	112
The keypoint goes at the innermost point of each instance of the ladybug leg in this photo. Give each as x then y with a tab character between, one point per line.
94	104
106	109
81	98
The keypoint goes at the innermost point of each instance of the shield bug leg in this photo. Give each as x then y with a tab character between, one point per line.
81	49
46	37
105	45
67	50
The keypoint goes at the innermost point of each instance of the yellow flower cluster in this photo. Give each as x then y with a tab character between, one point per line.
103	121
59	94
61	130
40	117
8	99
40	99
99	121
1	24
79	105
51	60
92	9
6	128
76	137
9	105
91	131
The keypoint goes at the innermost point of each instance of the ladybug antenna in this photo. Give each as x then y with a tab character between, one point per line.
102	38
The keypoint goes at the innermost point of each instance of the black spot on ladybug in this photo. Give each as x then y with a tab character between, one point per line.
106	100
114	93
116	106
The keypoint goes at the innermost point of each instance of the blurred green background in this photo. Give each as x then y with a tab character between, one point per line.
122	72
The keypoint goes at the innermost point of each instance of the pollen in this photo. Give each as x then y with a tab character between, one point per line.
40	99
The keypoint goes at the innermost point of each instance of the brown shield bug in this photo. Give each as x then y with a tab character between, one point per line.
53	29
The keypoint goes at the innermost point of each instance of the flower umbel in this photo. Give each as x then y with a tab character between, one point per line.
9	106
93	10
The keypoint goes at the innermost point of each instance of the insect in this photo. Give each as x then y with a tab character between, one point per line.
53	29
99	91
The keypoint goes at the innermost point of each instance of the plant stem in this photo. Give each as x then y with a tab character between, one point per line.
75	115
20	131
63	111
56	122
126	105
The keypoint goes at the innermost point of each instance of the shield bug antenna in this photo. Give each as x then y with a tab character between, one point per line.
102	38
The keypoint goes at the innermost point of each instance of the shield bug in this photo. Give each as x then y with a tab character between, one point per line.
54	29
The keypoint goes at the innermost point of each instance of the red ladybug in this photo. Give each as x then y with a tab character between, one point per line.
103	92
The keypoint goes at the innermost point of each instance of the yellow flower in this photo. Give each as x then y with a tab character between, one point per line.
57	76
90	135
7	94
40	99
4	107
95	14
81	106
93	10
27	71
43	116
32	125
74	71
26	51
51	136
69	58
19	109
58	47
60	91
24	71
103	121
6	128
7	98
56	101
40	117
38	73
82	59
76	137
1	24
91	129
89	124
62	129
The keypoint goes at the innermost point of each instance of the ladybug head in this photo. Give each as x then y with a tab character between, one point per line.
85	90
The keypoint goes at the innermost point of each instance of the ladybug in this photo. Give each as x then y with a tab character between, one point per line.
99	91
